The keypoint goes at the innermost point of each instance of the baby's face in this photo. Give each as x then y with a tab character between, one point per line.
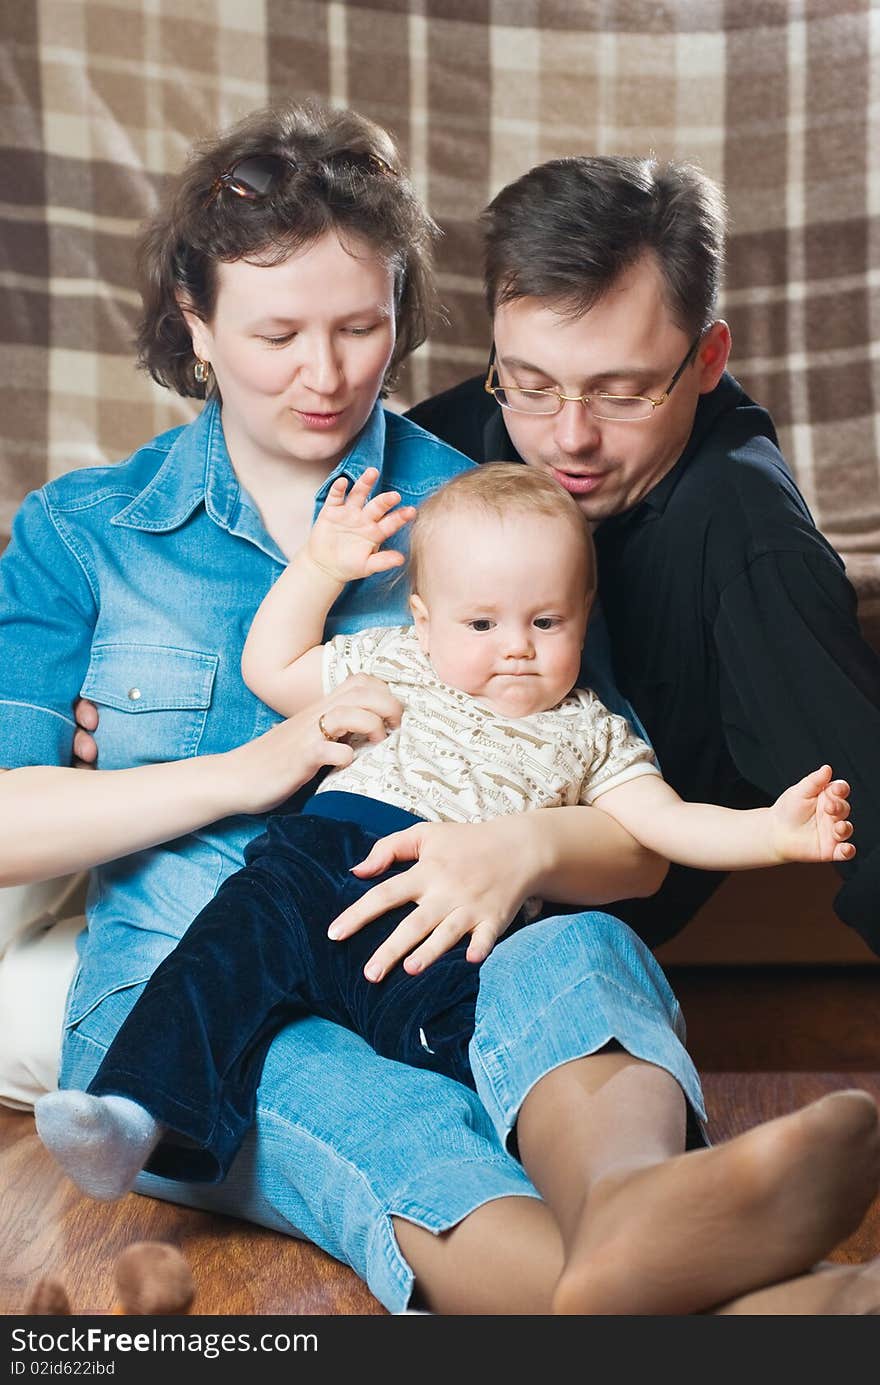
503	610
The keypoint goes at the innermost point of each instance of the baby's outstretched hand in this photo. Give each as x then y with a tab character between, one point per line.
811	819
346	538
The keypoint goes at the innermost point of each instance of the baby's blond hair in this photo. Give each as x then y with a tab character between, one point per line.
501	488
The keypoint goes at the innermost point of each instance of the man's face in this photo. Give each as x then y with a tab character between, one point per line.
627	343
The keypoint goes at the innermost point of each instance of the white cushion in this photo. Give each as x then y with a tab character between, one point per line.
22	905
37	963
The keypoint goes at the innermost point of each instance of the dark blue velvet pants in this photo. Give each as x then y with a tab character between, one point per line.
192	1048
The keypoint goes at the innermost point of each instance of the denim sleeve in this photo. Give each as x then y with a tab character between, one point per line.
47	618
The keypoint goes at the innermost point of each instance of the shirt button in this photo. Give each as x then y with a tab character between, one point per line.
134	694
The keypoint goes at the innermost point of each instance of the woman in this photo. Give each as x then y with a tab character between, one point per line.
286	279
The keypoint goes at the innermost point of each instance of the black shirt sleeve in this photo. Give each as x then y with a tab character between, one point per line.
800	688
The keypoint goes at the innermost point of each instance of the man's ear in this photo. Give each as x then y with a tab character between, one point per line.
712	355
198	329
422	620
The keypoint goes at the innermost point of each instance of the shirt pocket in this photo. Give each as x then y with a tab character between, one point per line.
152	702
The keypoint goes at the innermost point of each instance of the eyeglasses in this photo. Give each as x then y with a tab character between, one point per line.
258	177
614	408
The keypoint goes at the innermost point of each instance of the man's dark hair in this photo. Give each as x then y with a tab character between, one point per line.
567	229
201	224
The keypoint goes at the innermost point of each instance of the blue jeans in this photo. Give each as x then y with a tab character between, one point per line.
344	1140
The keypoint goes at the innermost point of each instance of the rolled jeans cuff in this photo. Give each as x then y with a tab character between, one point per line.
561	989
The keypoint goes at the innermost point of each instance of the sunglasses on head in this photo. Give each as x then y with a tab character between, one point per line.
258	177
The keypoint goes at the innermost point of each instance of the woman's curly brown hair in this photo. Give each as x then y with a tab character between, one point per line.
199	225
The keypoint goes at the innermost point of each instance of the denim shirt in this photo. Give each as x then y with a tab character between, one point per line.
135	585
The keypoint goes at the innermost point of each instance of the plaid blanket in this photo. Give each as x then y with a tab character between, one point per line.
778	99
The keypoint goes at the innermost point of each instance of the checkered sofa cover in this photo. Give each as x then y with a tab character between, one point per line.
779	99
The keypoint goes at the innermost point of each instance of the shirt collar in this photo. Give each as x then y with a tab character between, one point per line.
197	470
195	459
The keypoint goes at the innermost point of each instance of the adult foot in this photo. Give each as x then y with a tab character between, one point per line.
712	1225
101	1142
832	1291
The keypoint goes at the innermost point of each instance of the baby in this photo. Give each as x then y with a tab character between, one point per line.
502	576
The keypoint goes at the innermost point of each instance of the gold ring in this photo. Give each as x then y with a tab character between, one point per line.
323	729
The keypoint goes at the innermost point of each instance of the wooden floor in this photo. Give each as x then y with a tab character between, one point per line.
767	1040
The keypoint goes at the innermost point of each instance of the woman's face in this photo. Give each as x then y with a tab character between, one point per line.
299	350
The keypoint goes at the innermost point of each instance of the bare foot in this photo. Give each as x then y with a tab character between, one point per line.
833	1291
709	1226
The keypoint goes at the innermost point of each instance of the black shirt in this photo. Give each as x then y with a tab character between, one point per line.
734	634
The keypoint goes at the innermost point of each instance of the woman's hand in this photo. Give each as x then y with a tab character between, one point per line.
287	756
54	820
273	766
468	878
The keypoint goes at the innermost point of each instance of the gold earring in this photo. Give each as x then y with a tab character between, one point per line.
202	371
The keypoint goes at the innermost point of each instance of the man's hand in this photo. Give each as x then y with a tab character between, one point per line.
811	819
85	747
468	878
346	537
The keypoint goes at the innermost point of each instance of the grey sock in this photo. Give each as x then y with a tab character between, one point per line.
101	1142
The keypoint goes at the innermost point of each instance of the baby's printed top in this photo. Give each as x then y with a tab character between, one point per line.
454	759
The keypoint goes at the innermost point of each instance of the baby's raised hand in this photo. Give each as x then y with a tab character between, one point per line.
346	538
811	819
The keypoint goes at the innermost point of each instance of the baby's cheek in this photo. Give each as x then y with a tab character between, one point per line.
566	668
467	670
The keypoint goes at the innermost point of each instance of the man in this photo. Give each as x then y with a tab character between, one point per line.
733	626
